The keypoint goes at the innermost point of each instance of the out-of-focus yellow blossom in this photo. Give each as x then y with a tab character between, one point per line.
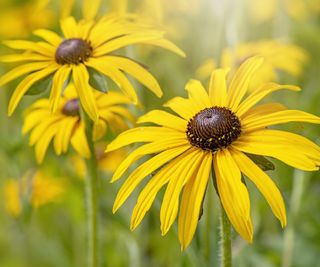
287	58
266	10
35	189
20	20
65	125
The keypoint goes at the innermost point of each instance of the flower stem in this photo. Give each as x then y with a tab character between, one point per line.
91	191
225	242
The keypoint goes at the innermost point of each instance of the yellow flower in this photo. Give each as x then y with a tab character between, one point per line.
36	188
288	58
214	128
65	125
85	46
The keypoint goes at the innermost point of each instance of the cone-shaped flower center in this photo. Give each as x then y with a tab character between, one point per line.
73	51
213	128
72	108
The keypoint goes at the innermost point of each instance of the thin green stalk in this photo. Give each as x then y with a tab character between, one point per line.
225	242
91	191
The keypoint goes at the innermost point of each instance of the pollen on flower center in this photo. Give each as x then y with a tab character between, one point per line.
213	128
73	51
71	108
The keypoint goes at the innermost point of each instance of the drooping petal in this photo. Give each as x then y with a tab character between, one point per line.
198	95
164	119
79	141
34	118
24	86
59	80
259	94
144	170
142	134
81	82
170	202
117	76
148	194
21	70
240	81
263	182
192	197
233	193
290	148
137	71
218	87
261	121
150	148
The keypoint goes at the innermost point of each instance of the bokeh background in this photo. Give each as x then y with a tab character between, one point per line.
42	208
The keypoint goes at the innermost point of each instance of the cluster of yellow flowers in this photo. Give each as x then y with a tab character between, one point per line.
215	130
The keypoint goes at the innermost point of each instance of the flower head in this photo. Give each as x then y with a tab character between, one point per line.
84	46
65	125
213	128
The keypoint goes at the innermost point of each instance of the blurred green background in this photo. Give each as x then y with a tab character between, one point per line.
52	233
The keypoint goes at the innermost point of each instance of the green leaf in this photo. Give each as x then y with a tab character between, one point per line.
40	87
98	81
262	162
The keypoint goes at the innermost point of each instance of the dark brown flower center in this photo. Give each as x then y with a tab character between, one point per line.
73	51
213	128
72	108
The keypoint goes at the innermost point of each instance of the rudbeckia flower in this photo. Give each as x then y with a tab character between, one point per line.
37	189
65	126
213	128
83	47
278	57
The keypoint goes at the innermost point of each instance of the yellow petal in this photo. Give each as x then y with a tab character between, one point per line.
183	107
81	82
142	134
111	98
38	47
136	71
192	197
260	93
264	109
23	57
292	149
261	121
117	76
166	44
198	94
150	191
79	141
24	86
265	185
69	27
233	193
50	36
151	148
170	202
123	112
218	87
90	8
164	119
21	70
142	171
59	81
240	81
34	118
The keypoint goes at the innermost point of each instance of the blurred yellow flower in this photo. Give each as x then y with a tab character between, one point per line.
278	56
65	126
35	189
213	128
85	46
20	20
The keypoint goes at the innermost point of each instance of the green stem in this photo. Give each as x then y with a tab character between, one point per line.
91	191
225	242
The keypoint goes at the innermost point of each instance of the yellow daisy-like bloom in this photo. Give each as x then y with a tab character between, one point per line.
85	46
278	56
36	188
65	125
214	128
